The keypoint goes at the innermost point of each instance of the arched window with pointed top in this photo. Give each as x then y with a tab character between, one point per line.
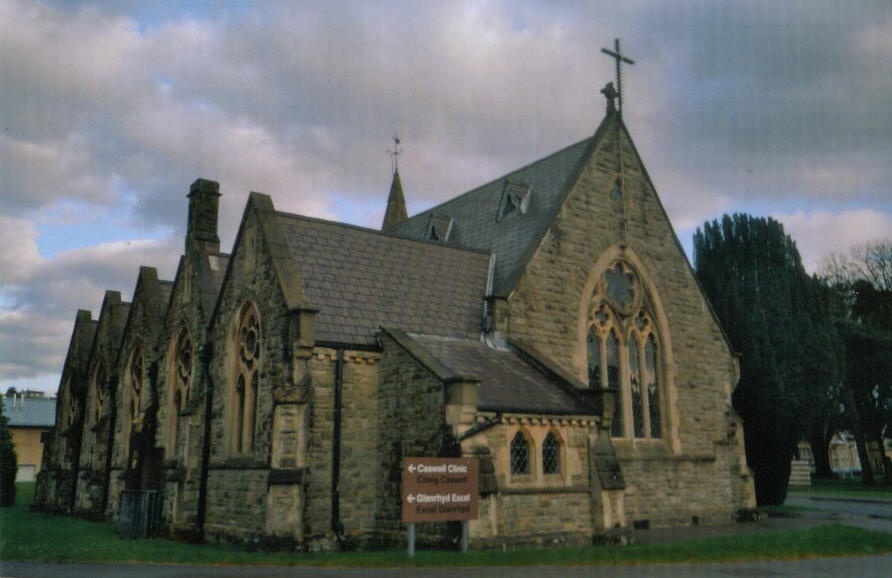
551	454
245	347
520	455
180	389
623	352
134	376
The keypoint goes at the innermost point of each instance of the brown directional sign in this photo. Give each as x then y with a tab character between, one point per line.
440	489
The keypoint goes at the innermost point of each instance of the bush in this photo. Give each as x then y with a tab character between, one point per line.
8	463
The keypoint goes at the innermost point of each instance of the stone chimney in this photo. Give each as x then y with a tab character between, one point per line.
204	205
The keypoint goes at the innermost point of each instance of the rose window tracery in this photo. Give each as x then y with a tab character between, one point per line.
622	351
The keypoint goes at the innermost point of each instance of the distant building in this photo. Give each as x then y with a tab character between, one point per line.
30	416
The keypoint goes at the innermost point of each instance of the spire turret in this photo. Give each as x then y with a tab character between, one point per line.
396	203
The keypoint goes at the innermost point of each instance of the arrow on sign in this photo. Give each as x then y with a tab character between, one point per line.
411	498
412	468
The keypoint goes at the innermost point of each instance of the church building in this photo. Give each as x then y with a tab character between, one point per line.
546	323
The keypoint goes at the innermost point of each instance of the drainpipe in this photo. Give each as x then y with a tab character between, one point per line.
336	526
206	354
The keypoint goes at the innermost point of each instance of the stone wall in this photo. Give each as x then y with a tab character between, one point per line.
548	308
411	422
537	508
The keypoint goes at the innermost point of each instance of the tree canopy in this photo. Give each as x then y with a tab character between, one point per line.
8	463
777	320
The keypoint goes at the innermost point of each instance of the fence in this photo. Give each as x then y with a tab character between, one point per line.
140	513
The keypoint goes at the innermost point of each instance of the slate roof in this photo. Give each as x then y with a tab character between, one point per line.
30	411
512	238
361	279
506	382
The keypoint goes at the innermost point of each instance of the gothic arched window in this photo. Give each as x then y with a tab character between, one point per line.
520	455
245	381
181	382
551	454
623	352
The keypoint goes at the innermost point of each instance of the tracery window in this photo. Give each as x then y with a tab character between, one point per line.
245	381
182	383
551	454
135	383
520	455
99	383
623	352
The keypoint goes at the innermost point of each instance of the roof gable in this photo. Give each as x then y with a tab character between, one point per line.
510	215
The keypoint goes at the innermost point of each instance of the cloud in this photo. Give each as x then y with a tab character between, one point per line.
819	233
42	297
110	109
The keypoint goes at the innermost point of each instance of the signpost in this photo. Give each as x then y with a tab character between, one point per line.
439	490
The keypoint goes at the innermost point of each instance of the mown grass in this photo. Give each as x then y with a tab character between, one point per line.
26	535
849	487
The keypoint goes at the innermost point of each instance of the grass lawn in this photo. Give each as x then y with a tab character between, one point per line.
852	487
33	536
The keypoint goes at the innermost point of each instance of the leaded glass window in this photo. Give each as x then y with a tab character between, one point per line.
594	361
635	388
520	455
551	454
651	382
622	352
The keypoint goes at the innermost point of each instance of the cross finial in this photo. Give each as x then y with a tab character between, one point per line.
619	58
396	152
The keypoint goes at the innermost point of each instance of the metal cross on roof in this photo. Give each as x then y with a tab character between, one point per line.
619	58
396	152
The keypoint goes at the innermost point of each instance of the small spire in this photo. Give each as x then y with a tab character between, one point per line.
396	203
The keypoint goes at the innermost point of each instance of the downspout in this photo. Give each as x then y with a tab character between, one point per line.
206	354
336	525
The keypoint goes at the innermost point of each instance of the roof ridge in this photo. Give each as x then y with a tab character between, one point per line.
541	160
379	233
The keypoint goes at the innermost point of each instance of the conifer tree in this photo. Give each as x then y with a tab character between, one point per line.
8	462
774	316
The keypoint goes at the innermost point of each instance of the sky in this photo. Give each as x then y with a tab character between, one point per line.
109	110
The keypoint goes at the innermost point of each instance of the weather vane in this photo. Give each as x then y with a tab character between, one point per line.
396	152
619	58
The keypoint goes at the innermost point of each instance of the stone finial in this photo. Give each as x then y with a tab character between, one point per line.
611	94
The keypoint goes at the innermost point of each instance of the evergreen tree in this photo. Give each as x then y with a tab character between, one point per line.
8	462
774	316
